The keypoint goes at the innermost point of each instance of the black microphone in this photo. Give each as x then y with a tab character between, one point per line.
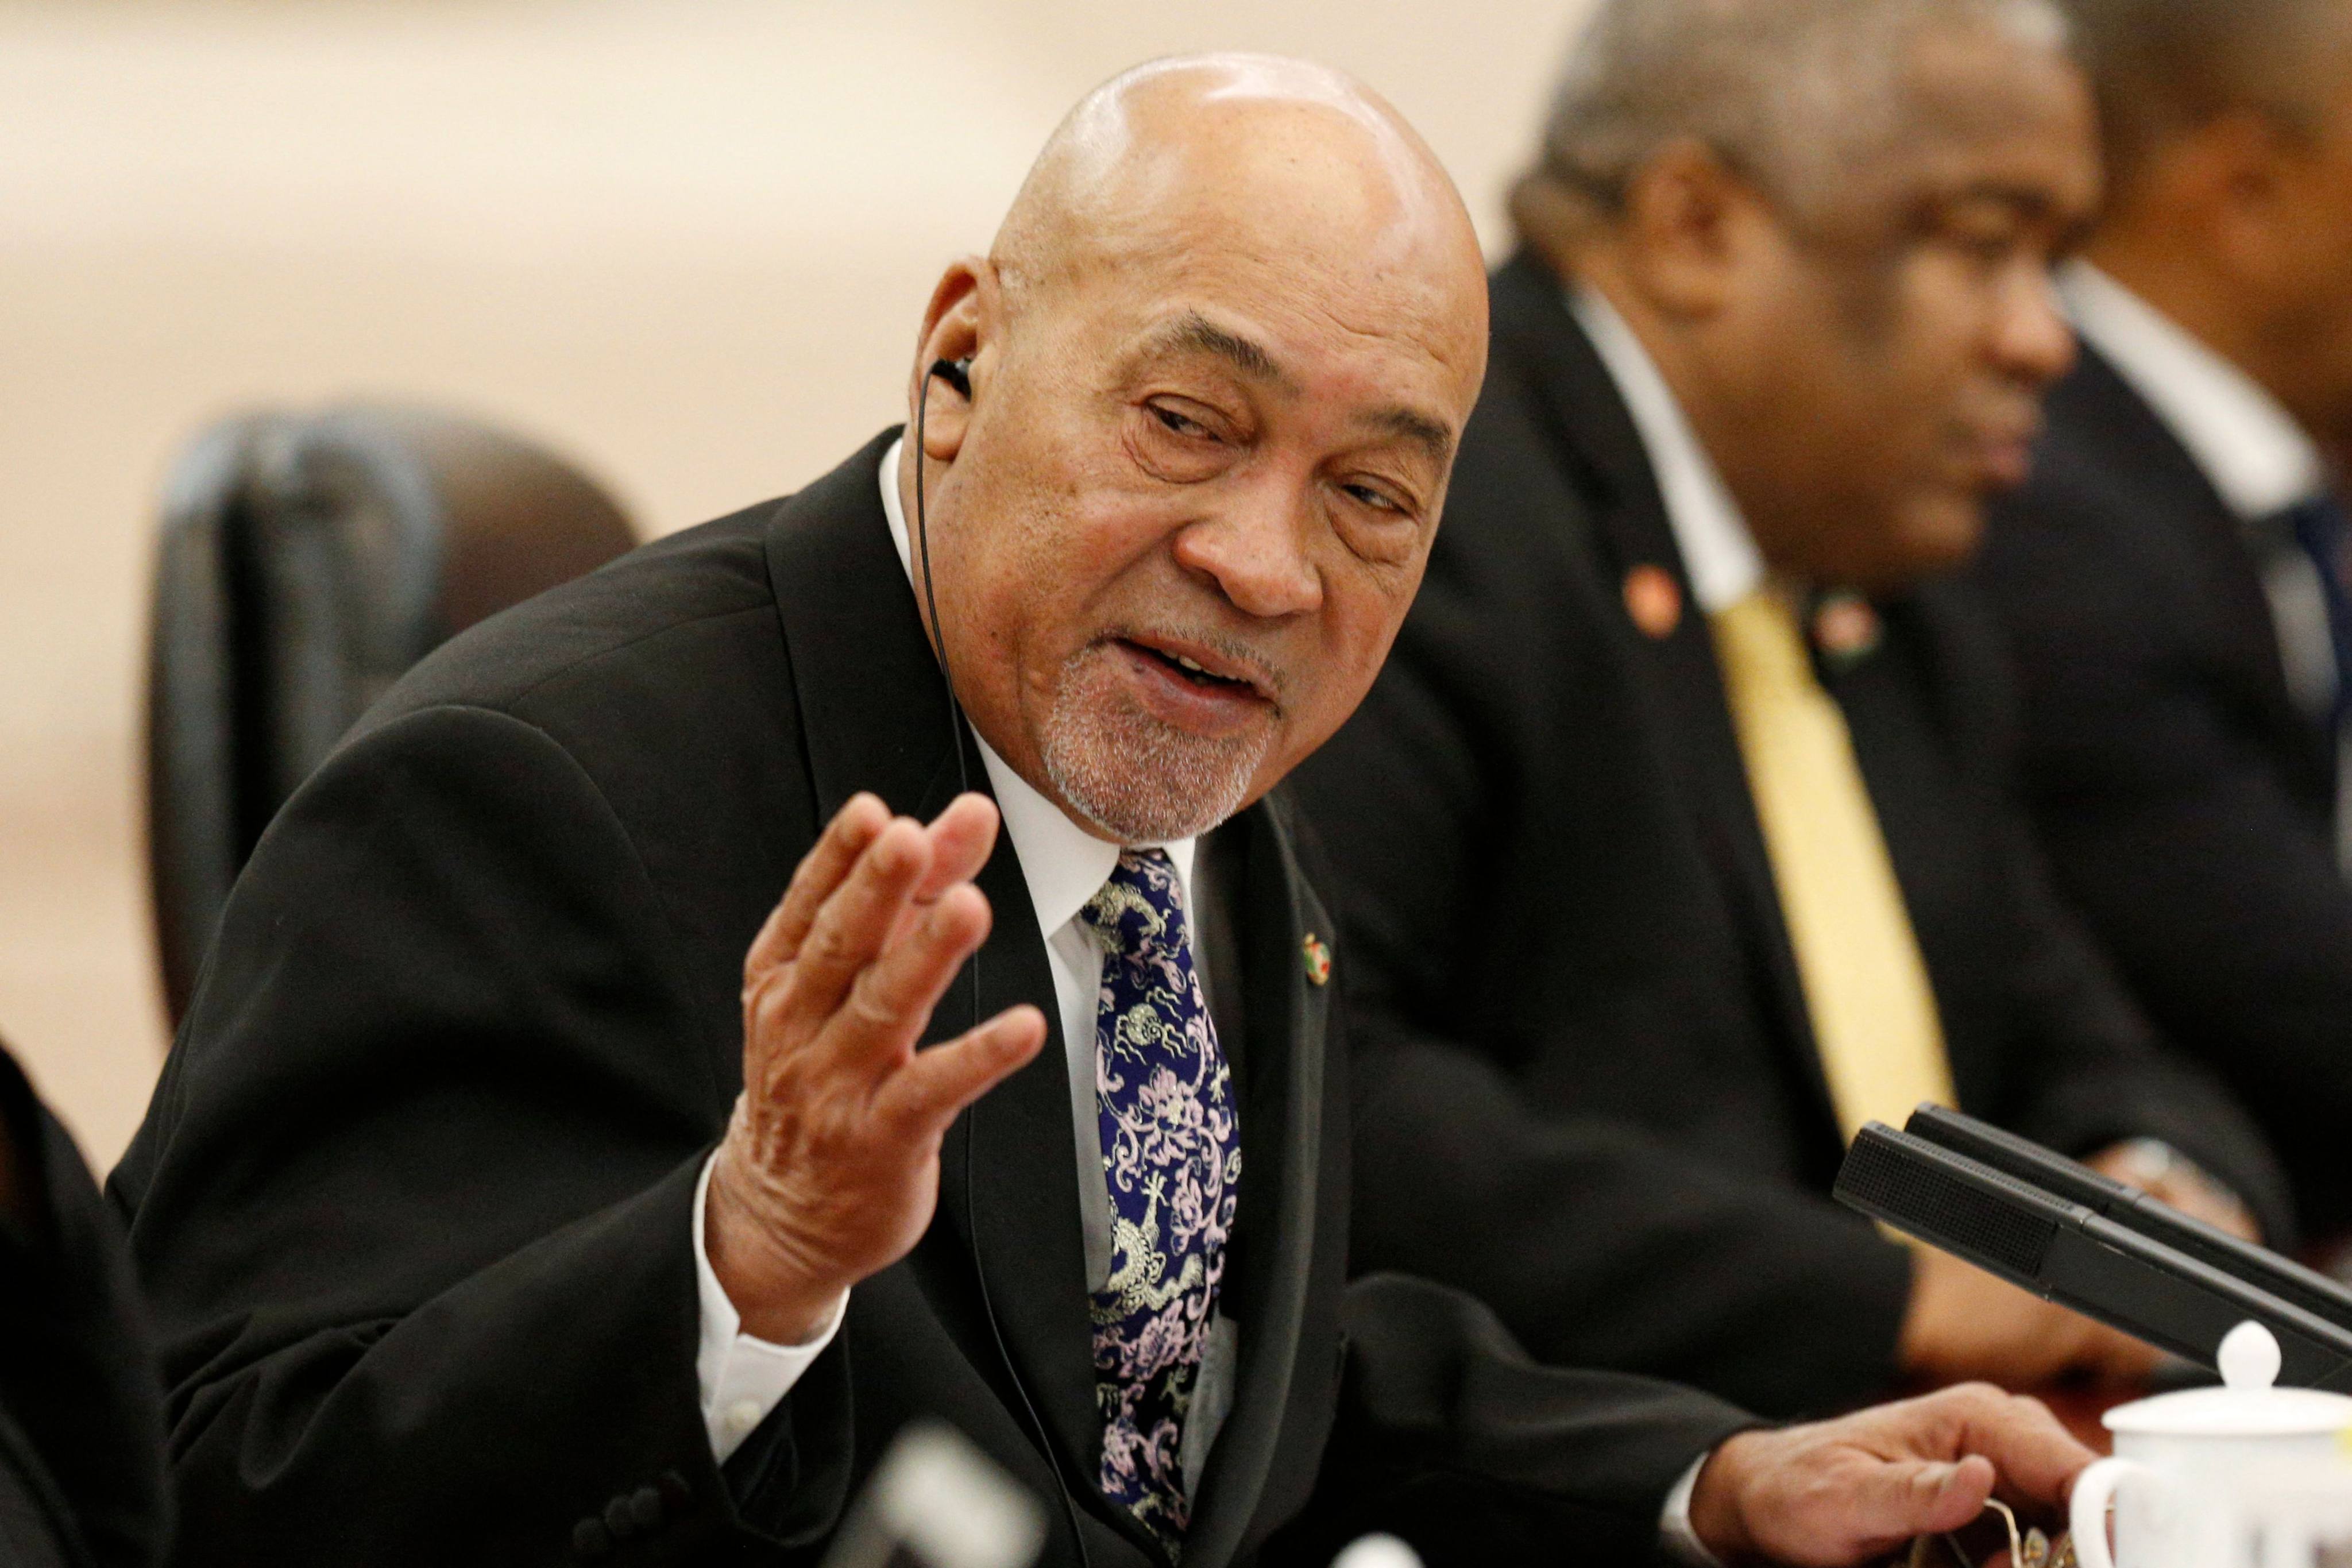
2068	1252
2134	1210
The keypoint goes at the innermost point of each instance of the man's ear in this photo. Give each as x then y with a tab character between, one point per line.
1680	229
960	327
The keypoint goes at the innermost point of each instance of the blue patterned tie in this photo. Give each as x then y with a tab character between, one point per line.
1173	1158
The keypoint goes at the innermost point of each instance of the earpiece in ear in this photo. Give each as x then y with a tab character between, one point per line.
956	372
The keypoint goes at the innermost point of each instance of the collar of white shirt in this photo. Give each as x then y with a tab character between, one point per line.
1718	550
1064	865
2249	445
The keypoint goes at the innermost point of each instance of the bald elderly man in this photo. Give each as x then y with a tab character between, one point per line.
530	1184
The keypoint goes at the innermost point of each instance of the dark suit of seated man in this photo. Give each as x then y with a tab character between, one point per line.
2173	578
82	1414
498	1207
1678	839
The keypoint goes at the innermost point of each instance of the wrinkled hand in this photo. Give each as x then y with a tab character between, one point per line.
1966	1323
1855	1489
830	1169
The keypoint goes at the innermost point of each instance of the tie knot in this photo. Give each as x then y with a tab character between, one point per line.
1141	907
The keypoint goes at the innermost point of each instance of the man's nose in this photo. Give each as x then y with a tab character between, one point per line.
2033	339
1257	556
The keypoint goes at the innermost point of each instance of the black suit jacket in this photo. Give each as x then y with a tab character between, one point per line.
81	1413
2187	803
414	1199
1590	1091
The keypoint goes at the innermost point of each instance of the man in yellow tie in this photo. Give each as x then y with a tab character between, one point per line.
1677	840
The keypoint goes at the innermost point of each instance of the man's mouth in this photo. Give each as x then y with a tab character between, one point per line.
1196	688
1195	672
2001	451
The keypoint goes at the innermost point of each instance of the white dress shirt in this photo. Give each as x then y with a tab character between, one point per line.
742	1378
2251	447
1711	535
2258	459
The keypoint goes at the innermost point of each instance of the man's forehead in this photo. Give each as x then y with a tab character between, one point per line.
2022	166
1969	105
2024	136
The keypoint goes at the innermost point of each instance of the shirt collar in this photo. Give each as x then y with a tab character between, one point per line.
1064	865
1718	550
2249	445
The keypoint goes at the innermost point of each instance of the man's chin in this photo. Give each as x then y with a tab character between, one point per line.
1141	782
1930	539
1948	535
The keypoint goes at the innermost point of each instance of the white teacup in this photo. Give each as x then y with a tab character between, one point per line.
2303	1517
2191	1469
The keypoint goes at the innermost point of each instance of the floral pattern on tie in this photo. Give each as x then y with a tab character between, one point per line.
1173	1158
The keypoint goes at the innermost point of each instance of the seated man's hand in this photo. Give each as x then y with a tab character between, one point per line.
2172	1178
830	1165
1964	1323
1855	1490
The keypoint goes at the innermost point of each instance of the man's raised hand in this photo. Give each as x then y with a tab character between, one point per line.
830	1169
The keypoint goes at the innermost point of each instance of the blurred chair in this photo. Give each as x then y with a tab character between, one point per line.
306	561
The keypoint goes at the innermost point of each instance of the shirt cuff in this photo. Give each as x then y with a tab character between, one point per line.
741	1379
1674	1532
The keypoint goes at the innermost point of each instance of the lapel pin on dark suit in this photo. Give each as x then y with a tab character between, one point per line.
1847	629
1317	958
1654	600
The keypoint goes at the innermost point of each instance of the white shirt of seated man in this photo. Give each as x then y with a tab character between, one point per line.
744	1379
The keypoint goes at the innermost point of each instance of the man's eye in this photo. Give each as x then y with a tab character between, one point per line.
1379	500
1179	424
1986	242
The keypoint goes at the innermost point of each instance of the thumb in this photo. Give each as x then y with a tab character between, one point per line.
1906	1497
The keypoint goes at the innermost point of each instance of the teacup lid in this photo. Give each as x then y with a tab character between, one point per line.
2246	1405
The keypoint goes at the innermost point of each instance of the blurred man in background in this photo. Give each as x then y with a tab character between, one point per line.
529	1184
2174	577
1677	840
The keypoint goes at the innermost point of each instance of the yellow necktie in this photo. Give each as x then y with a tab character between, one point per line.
1867	987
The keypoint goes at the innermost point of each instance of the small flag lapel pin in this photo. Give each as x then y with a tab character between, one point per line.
1318	960
1847	629
1654	601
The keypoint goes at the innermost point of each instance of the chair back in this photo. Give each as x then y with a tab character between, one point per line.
305	563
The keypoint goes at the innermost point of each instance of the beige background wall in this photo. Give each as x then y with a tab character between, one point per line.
688	243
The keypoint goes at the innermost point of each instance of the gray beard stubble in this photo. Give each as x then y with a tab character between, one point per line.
1141	780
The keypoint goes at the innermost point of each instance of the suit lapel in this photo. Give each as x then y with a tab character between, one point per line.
1282	1104
875	715
1596	433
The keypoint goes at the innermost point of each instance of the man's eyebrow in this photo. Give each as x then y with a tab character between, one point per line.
1429	435
2032	203
1194	333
